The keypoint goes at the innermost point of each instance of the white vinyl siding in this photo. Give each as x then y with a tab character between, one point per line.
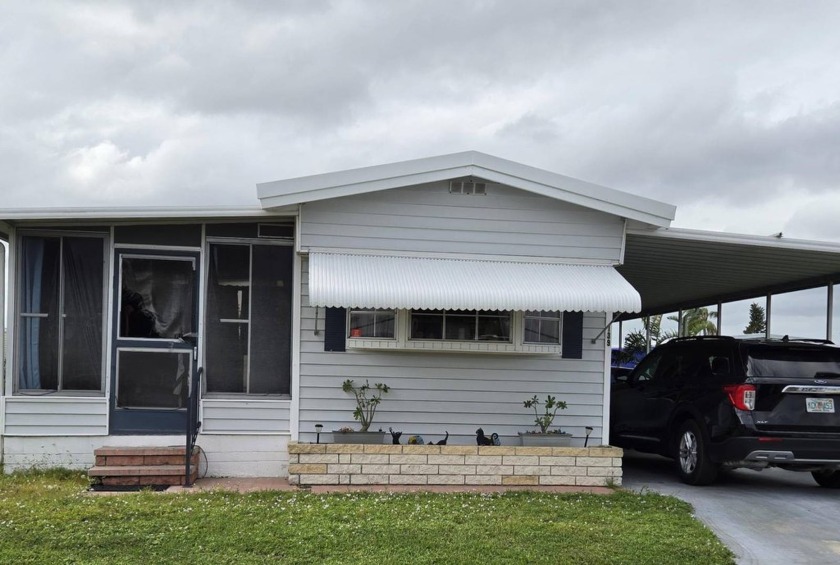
55	416
226	416
234	455
427	218
436	392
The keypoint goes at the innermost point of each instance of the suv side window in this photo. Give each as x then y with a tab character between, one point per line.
647	368
705	361
659	368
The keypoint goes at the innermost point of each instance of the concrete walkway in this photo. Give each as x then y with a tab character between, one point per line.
766	518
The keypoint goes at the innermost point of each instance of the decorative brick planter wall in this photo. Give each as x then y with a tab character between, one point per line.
354	464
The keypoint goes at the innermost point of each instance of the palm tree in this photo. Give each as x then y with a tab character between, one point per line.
696	321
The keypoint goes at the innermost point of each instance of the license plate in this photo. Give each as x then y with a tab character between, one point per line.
822	405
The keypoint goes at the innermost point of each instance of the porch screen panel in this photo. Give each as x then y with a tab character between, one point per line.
40	265
157	298
228	304
249	296
152	378
271	324
83	298
61	318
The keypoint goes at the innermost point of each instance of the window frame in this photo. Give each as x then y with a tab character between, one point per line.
374	311
558	316
476	314
250	242
403	342
17	324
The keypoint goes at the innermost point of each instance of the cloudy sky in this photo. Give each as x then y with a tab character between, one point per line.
730	110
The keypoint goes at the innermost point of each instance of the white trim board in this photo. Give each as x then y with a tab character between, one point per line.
467	164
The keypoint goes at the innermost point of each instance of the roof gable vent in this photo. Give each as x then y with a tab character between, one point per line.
467	187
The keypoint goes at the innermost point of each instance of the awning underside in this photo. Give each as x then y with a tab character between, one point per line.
373	281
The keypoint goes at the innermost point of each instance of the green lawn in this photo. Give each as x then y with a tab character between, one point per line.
47	518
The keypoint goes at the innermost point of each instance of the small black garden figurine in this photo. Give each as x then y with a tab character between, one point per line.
441	442
395	436
482	439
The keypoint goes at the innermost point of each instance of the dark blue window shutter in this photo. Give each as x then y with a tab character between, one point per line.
572	335
335	329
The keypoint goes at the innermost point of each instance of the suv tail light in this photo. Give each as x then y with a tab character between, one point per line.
742	397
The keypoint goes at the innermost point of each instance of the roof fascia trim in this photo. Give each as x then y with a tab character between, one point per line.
36	214
576	197
739	239
314	194
431	169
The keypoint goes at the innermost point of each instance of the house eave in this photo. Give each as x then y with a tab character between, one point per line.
26	215
470	163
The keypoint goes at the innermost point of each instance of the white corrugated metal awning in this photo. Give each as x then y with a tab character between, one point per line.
374	281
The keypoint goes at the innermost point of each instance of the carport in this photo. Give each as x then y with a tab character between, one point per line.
676	269
777	516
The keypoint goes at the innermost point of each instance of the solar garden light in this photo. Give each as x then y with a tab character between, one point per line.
588	433
318	429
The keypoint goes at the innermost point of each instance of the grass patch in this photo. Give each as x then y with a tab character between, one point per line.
45	517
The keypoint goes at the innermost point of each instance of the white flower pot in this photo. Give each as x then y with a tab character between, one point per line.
545	440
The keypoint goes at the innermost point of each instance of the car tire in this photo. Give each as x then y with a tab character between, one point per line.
827	478
690	452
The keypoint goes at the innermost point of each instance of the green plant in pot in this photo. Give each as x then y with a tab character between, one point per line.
545	436
368	397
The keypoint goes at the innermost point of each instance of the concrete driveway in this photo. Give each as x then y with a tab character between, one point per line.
772	516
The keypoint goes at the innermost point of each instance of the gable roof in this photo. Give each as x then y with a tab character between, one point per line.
457	165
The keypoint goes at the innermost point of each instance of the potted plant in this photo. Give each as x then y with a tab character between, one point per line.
367	398
545	436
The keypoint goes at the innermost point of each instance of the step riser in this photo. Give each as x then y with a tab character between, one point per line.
139	460
144	481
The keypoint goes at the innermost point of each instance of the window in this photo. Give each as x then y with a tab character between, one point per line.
460	325
372	323
249	318
542	327
60	320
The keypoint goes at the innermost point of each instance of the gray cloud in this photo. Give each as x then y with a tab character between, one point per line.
697	103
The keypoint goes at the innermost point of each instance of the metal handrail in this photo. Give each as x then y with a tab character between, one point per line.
193	423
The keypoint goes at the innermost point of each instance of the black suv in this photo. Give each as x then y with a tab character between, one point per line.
715	403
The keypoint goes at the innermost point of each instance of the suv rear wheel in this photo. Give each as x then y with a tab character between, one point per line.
827	478
693	464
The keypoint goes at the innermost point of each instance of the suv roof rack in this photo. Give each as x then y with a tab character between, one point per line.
701	337
787	339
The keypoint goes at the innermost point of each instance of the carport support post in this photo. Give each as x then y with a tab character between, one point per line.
620	337
829	310
719	316
768	304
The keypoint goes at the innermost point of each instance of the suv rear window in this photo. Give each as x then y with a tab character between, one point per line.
792	362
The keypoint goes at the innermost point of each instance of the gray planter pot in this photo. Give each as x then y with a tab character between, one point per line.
545	440
358	437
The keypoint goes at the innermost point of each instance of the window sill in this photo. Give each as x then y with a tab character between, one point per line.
243	396
371	343
439	346
34	393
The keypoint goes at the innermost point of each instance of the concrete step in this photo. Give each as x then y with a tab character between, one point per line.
142	466
134	456
128	470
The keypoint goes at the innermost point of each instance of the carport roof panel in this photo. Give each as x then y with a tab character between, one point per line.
674	268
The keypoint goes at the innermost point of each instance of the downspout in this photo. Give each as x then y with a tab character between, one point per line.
2	349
